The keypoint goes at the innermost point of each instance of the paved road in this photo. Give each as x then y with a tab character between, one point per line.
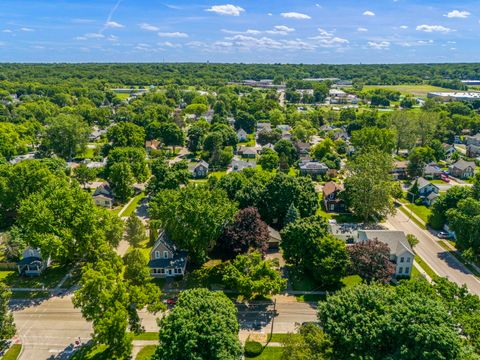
441	261
48	330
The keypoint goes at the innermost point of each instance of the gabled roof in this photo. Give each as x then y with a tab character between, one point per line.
194	166
462	164
239	165
330	187
248	150
422	182
432	169
313	165
179	259
396	240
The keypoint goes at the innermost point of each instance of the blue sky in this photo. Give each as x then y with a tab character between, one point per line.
296	31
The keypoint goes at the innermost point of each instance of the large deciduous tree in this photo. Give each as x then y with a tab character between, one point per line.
247	231
194	216
379	322
252	276
126	134
121	180
135	230
7	326
369	189
309	343
307	246
66	135
371	260
202	325
374	138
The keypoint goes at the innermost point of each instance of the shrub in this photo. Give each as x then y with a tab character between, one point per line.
253	348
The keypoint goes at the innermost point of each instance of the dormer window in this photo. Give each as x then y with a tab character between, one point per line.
157	254
165	254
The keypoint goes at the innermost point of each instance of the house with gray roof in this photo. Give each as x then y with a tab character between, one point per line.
462	169
165	259
199	170
242	135
432	171
239	165
314	168
247	152
401	253
103	196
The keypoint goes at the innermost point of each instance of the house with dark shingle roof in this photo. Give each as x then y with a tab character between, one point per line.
165	259
462	169
199	170
314	168
331	197
32	263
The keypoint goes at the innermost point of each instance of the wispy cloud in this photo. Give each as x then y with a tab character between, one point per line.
27	29
434	28
7	31
457	14
362	29
327	39
368	13
380	45
173	34
295	15
113	25
148	27
227	9
277	30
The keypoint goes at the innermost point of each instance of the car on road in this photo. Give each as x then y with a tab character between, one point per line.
170	301
443	235
445	178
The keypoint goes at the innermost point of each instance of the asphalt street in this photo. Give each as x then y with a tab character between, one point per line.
440	260
48	330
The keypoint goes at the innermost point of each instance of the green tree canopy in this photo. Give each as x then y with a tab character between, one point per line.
202	325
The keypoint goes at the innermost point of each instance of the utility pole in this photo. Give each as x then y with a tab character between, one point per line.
273	319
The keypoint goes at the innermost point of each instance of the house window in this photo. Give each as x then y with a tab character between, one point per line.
407	270
161	271
408	259
400	270
332	207
157	254
165	254
402	259
154	271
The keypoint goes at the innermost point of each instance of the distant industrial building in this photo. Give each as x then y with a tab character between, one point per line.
471	82
455	96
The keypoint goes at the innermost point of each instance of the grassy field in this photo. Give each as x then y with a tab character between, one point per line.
13	352
49	279
94	352
146	336
146	352
280	338
417	90
425	267
420	210
29	295
269	353
408	213
133	205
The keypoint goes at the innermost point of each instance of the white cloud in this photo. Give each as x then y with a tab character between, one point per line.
416	43
94	36
277	30
112	38
173	34
362	29
380	45
26	29
295	15
328	39
148	27
457	14
227	9
368	13
404	27
82	21
284	28
434	28
169	44
113	25
318	5
7	31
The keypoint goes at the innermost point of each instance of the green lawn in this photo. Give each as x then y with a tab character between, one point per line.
408	213
425	267
146	352
133	205
352	280
49	279
250	142
13	352
122	96
217	174
415	89
421	211
146	336
269	353
92	352
280	338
